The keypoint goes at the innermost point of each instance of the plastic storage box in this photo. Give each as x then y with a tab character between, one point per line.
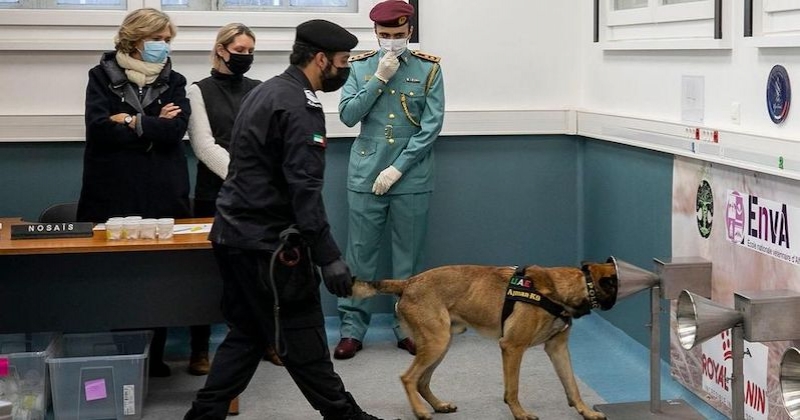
23	374
100	375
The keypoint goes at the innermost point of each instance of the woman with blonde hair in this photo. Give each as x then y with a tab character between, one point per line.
216	101
136	116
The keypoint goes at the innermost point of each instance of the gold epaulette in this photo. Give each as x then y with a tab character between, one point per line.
362	56
426	56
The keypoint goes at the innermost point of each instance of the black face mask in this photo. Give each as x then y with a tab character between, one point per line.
332	82
239	63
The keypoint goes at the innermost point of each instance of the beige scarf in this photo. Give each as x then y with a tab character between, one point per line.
139	72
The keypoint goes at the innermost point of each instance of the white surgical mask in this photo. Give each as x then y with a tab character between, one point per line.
398	46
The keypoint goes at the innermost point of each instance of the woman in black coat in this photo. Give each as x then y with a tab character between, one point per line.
136	117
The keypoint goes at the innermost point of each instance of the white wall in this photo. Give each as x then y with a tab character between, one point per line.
509	55
647	84
514	55
515	67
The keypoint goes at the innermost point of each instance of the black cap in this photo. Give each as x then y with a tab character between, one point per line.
327	36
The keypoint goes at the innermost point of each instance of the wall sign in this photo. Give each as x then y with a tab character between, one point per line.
779	94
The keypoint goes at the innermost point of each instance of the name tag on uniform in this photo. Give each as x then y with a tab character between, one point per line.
412	80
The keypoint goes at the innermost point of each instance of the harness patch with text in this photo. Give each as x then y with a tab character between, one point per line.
521	288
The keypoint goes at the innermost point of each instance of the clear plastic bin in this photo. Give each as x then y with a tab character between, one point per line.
23	374
100	375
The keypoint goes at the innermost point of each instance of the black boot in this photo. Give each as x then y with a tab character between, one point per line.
354	413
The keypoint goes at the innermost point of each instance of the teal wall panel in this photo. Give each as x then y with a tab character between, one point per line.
35	175
499	200
627	213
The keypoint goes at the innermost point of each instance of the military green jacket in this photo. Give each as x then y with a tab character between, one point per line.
399	120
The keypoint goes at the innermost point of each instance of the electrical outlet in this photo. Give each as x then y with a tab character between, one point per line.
736	113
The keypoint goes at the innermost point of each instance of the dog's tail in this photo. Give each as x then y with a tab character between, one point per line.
365	289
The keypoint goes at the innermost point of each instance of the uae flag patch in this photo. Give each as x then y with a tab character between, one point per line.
320	140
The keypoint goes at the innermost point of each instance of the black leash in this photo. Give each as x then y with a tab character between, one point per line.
290	257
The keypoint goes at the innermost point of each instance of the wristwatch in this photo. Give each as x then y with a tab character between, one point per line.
128	120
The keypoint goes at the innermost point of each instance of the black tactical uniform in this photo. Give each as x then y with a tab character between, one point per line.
275	181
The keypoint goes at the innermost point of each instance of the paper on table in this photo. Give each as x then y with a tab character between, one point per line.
192	228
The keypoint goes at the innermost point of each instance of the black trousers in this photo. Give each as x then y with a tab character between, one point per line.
200	334
247	306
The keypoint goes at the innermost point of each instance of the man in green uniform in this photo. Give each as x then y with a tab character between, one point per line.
398	97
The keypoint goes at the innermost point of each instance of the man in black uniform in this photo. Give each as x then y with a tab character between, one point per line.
271	232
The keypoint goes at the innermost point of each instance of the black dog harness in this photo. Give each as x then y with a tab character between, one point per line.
520	288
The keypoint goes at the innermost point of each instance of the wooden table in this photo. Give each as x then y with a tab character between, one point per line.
92	284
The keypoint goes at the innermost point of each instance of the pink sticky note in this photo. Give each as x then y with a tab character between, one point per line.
95	389
3	366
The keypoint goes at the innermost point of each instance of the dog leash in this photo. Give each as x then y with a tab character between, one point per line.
289	237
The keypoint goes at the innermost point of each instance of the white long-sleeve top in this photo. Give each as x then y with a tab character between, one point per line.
200	137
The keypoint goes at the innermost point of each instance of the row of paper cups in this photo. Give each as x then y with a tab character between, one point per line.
135	227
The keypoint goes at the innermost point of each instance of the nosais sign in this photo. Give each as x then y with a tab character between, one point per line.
717	360
762	225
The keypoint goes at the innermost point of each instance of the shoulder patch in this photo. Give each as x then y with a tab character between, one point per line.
362	56
311	99
425	56
318	140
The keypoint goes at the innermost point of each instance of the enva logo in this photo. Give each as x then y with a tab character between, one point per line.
734	218
704	207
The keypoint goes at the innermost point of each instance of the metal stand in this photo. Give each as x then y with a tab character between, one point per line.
737	376
656	408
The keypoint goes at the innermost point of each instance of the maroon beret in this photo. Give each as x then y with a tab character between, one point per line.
391	13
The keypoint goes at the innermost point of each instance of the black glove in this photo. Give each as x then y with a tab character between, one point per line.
337	278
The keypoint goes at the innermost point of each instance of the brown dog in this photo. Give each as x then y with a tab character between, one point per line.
438	302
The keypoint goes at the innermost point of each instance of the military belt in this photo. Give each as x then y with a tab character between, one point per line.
388	131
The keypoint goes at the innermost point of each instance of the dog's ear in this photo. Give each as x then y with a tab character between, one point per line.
585	265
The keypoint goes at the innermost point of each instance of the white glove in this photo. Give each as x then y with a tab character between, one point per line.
387	67
385	180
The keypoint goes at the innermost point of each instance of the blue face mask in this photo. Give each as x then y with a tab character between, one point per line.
155	51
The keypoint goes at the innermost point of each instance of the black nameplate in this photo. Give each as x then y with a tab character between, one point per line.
52	230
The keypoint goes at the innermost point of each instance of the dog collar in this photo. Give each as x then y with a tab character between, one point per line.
590	288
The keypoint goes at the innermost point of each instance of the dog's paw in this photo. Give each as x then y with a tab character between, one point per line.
593	415
526	416
425	416
445	408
